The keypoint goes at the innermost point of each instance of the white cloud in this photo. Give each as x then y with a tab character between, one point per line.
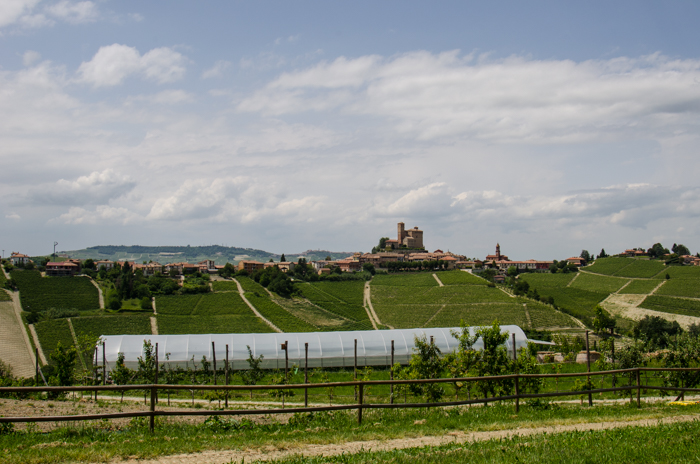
30	57
74	12
13	216
512	99
12	10
102	215
195	199
95	188
218	70
166	97
114	63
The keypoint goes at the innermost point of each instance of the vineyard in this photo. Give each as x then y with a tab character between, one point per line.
4	296
680	287
204	304
43	293
672	305
641	269
640	286
609	266
460	278
211	324
418	279
342	298
51	332
598	284
225	286
111	325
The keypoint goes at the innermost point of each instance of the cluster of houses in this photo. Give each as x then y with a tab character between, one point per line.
688	260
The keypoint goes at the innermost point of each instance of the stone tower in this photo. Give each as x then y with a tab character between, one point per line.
401	232
498	251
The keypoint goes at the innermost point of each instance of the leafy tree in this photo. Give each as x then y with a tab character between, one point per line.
655	331
586	255
603	254
603	321
283	259
369	267
227	271
494	360
147	363
426	363
328	258
681	250
88	264
512	271
146	303
657	251
63	359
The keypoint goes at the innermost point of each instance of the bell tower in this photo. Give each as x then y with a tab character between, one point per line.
498	252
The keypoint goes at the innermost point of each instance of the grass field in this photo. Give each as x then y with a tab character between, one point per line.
672	305
211	324
680	287
598	284
640	286
460	278
274	313
682	272
41	293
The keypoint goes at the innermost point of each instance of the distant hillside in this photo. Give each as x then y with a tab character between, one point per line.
192	254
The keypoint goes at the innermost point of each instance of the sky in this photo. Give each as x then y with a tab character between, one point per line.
549	127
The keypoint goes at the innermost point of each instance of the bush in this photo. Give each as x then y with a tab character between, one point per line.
146	303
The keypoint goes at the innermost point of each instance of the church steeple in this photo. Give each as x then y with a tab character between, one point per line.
498	251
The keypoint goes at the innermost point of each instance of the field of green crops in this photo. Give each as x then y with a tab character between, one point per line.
541	280
41	293
680	287
609	266
672	305
682	272
641	268
460	278
274	313
112	325
211	324
205	304
51	332
3	279
225	286
575	301
598	284
342	298
418	279
640	286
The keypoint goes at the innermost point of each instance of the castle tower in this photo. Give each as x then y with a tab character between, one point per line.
401	232
498	252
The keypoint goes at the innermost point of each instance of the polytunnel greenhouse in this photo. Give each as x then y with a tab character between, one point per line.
326	349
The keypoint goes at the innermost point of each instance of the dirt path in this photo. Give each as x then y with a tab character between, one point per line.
368	307
35	337
154	326
627	305
310	450
438	280
242	293
14	349
99	293
657	287
572	280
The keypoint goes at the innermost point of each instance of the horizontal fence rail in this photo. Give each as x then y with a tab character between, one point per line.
634	374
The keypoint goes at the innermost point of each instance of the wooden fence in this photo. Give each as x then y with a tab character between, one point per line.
360	406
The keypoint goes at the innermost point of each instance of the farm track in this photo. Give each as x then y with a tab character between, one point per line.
310	450
438	280
368	307
99	293
154	326
242	293
572	280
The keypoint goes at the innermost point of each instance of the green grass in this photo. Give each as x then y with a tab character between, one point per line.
641	268
541	280
418	279
460	278
112	325
598	284
609	266
640	287
668	304
41	293
4	296
51	332
108	442
211	324
3	279
225	286
680	287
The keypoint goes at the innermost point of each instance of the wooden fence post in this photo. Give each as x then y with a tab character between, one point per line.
104	364
152	417
213	356
155	392
612	355
639	388
517	378
306	374
226	400
588	362
359	409
354	375
391	374
94	373
36	365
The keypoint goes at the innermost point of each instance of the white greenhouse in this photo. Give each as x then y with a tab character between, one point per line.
326	349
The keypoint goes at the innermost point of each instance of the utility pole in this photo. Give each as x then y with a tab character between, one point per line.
54	251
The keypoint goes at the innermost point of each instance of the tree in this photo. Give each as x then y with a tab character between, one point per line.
369	267
657	251
426	363
64	361
656	331
585	255
512	271
283	259
681	250
255	374
603	321
603	254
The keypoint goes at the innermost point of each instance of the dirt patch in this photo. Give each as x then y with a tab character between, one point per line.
269	453
627	305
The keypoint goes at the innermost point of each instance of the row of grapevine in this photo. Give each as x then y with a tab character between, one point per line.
41	293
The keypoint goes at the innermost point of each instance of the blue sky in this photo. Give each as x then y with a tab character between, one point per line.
547	126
